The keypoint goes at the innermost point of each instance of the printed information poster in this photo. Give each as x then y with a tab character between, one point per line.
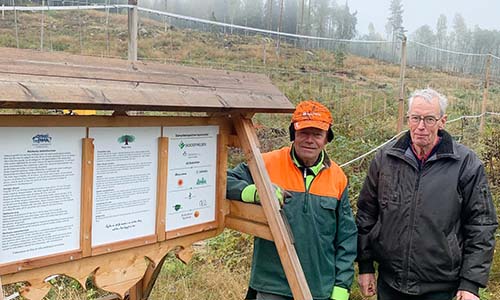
125	170
40	176
192	165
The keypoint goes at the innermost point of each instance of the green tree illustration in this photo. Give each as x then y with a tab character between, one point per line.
126	139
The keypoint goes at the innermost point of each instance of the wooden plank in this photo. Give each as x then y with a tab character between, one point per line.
135	293
286	251
249	227
86	196
174	76
30	79
172	234
110	121
38	262
127	244
150	277
185	254
1	288
233	141
161	193
248	211
67	65
116	272
222	206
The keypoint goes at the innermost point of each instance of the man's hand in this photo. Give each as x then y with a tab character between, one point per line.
464	295
250	195
368	284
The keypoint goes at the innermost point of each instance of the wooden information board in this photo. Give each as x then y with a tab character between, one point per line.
109	196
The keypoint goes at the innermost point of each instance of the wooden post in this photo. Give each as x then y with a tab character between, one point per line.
1	289
41	27
161	188
286	250
264	51
485	93
15	23
87	196
133	19
401	105
385	104
279	29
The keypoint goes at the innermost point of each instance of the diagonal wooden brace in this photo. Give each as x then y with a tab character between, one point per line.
286	250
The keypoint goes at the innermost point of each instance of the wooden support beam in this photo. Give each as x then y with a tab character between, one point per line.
249	227
161	188
86	196
286	250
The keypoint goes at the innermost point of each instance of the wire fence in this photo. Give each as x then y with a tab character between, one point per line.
301	66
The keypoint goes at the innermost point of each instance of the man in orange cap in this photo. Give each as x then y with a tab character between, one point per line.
317	209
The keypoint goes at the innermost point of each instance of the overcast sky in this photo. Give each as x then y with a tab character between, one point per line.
484	13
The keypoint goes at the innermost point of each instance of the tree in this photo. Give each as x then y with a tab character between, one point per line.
322	11
441	31
253	13
373	35
345	22
125	139
271	13
396	20
462	34
290	23
424	35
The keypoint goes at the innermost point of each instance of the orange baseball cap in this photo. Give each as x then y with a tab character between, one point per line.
311	114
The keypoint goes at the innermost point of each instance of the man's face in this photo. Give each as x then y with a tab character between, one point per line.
423	134
308	144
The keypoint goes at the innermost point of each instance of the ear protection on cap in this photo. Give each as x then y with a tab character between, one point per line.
291	130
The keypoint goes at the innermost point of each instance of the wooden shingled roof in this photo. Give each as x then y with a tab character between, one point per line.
32	79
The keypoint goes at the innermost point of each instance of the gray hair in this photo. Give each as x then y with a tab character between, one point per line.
428	95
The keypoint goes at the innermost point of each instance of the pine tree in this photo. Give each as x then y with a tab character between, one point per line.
396	20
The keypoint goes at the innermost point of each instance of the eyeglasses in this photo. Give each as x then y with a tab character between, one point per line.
428	120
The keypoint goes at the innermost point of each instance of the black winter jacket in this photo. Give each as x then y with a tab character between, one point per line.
430	228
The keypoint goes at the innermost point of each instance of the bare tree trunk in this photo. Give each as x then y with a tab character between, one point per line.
301	28
270	15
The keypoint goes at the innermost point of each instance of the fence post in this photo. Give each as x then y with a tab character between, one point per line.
485	93
279	30
133	20
401	85
15	23
264	51
42	26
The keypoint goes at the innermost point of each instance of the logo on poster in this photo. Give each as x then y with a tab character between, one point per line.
201	181
39	139
126	139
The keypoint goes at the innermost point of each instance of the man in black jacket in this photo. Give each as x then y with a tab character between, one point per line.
425	213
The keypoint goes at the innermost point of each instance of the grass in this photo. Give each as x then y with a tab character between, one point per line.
361	92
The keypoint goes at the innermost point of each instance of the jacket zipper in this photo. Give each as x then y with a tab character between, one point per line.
306	198
307	188
413	209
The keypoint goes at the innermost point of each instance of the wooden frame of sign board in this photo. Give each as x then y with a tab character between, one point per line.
207	99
